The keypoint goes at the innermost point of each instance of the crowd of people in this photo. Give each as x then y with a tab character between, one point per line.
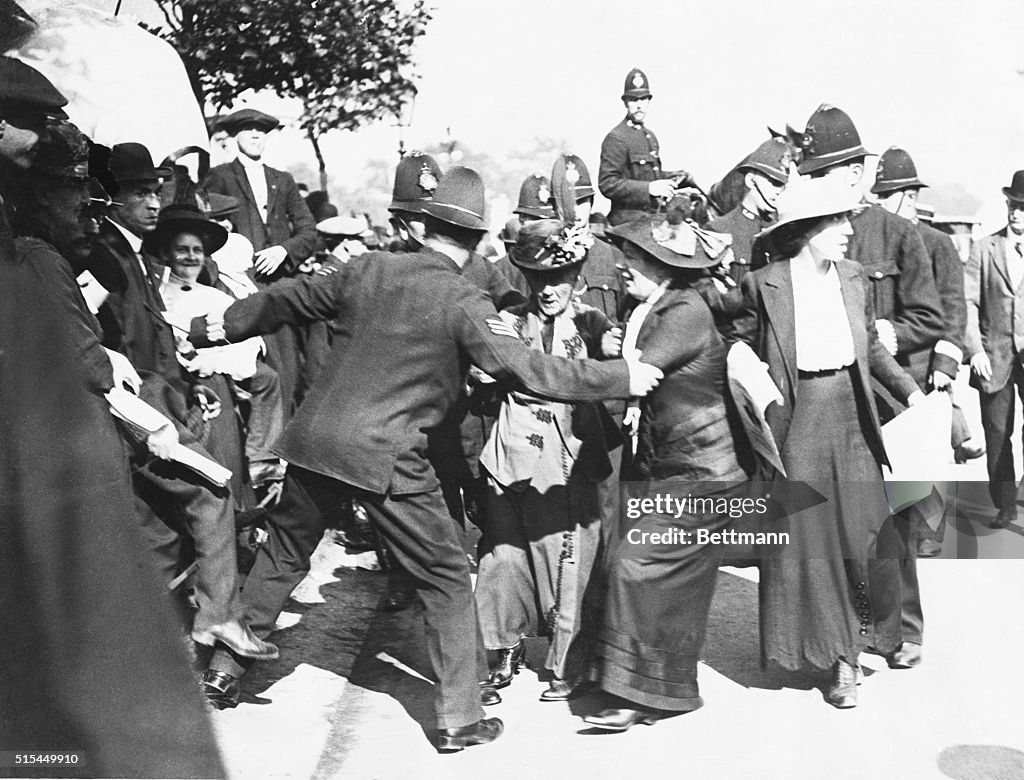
224	370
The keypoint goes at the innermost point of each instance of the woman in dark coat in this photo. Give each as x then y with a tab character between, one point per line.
659	595
834	590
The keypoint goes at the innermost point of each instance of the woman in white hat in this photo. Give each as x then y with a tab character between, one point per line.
830	593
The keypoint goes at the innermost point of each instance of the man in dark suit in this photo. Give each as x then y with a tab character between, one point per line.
133	323
416	325
275	218
630	175
995	342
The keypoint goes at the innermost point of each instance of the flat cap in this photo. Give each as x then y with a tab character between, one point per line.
234	123
24	90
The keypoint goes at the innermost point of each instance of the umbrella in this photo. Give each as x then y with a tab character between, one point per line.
122	82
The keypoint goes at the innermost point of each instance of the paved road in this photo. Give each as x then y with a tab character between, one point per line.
349	697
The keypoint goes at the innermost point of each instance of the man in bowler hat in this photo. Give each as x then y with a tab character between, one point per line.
416	325
631	176
995	343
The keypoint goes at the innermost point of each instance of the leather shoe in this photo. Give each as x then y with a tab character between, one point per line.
558	690
239	637
1007	515
907	657
968	451
842	692
507	667
479	733
622	718
220	689
489	695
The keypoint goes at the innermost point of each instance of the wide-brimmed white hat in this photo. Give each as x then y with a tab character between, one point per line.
809	198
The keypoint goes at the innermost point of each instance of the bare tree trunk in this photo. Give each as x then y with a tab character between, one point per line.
319	158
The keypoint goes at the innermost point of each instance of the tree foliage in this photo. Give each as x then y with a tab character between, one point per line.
348	61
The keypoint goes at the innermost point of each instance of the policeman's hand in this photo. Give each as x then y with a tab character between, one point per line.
631	420
981	366
942	381
208	402
204	364
662	188
887	335
611	342
215	327
269	260
643	377
162	441
500	327
125	374
915	398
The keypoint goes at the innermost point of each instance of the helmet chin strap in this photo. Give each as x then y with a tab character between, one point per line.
411	240
770	211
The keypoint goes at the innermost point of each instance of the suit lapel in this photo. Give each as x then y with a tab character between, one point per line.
272	188
853	301
243	183
777	294
999	259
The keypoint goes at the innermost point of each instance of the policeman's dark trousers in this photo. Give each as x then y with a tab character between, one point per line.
423	537
997	419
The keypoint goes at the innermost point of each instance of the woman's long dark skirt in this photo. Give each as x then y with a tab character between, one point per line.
834	590
656	610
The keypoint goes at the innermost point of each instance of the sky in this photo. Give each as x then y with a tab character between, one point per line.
941	78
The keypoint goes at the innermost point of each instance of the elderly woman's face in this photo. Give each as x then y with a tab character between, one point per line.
552	290
185	255
831	239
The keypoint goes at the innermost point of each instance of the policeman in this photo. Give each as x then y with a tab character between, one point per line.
416	179
534	199
910	320
765	172
630	175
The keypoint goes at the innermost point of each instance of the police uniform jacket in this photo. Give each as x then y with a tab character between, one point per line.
895	261
630	160
742	226
948	270
416	327
289	222
995	311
